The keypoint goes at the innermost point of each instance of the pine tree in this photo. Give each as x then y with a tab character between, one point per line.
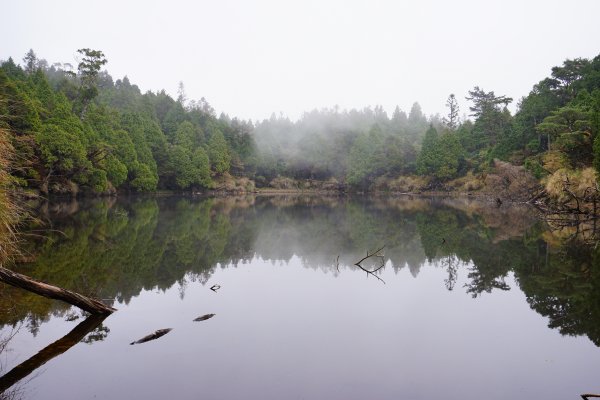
452	120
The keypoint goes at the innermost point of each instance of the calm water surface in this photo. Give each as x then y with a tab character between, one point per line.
472	302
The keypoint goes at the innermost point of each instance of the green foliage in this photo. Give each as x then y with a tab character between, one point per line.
61	150
88	69
491	121
151	141
116	171
201	165
144	179
325	144
185	135
362	165
534	166
569	131
85	128
450	156
427	162
180	163
218	153
97	180
441	155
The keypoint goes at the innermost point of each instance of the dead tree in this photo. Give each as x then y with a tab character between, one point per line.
92	306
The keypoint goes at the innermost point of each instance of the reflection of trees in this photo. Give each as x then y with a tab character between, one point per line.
566	289
451	263
113	250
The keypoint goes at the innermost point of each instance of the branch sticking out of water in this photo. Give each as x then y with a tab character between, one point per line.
375	254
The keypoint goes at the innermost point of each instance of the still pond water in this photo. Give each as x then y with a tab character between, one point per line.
472	302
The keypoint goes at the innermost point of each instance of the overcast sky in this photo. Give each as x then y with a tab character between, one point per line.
252	58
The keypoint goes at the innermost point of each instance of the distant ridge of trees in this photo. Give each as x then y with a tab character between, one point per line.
78	130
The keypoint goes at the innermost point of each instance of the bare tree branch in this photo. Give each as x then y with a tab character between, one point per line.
376	255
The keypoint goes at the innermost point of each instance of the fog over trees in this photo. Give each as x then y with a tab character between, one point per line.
78	129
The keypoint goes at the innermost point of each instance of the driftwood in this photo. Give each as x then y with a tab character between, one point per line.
214	288
588	395
43	289
48	353
204	317
153	336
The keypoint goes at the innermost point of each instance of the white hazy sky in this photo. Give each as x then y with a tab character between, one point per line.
252	58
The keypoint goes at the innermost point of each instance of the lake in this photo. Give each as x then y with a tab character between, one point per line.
465	301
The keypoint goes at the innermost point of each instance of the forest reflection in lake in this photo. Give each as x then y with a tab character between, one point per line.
474	299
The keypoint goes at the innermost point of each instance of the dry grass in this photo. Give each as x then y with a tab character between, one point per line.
467	183
563	184
230	184
281	182
554	160
402	184
10	212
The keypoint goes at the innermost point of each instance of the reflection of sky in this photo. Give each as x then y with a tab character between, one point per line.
282	331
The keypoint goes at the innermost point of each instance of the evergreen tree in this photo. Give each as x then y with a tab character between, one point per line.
452	120
88	69
428	161
31	62
218	153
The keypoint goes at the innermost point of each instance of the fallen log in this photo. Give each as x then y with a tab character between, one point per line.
51	351
43	289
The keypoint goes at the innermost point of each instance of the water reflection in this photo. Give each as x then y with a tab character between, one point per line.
114	249
21	371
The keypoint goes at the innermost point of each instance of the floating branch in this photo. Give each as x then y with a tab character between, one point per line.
214	288
153	336
204	317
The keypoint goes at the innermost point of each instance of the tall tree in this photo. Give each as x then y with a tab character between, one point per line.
88	69
453	119
181	96
491	119
31	62
485	101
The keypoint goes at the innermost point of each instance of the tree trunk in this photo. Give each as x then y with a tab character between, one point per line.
43	289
